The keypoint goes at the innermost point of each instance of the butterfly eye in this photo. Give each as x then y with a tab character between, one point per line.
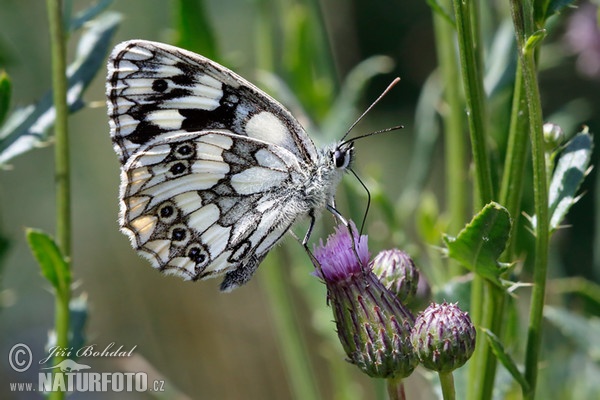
341	158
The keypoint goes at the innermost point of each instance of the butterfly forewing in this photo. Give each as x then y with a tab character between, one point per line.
155	89
213	170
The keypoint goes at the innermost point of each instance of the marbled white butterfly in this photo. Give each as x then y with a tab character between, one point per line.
213	170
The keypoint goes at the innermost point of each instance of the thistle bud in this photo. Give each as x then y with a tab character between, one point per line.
443	337
397	271
372	325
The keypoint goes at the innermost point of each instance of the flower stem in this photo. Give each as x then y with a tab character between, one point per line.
447	383
395	388
522	19
62	177
511	187
471	68
452	116
298	365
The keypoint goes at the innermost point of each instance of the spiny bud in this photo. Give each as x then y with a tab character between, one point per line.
397	271
443	337
372	325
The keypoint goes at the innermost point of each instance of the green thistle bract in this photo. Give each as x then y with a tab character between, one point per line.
372	325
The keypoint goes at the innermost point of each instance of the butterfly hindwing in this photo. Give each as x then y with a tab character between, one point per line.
204	204
154	89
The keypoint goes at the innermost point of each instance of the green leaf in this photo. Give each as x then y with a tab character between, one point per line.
584	332
556	6
438	9
343	112
53	265
571	168
194	31
27	128
88	14
479	245
505	359
5	94
534	40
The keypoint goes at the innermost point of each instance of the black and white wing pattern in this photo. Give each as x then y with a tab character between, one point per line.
213	170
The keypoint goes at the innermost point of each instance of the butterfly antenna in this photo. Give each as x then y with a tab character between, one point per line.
390	129
390	86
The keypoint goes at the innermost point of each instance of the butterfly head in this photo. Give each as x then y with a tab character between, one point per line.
342	155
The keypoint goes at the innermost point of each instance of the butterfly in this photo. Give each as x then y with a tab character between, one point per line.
213	170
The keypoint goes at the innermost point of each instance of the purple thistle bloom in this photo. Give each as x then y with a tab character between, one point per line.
338	257
372	325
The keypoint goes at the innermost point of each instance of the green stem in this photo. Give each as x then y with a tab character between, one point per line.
299	369
447	383
511	188
395	388
453	119
61	151
540	194
472	76
479	361
471	69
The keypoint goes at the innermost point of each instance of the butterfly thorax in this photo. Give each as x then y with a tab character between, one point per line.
333	161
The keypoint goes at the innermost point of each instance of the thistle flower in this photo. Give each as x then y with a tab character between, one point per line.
443	337
372	325
397	271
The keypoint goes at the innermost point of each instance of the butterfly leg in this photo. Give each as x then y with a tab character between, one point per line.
345	222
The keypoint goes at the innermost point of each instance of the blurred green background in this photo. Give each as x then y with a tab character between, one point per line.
206	344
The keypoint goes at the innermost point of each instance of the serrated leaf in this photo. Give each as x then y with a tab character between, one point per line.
505	359
584	332
569	173
5	95
27	128
479	245
51	260
194	31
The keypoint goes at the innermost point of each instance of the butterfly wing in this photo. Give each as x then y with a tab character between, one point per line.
209	203
155	90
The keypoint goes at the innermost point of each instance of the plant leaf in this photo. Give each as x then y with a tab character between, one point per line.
438	9
583	331
194	30
343	112
88	14
27	128
53	265
479	245
505	359
5	95
535	40
556	6
570	170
